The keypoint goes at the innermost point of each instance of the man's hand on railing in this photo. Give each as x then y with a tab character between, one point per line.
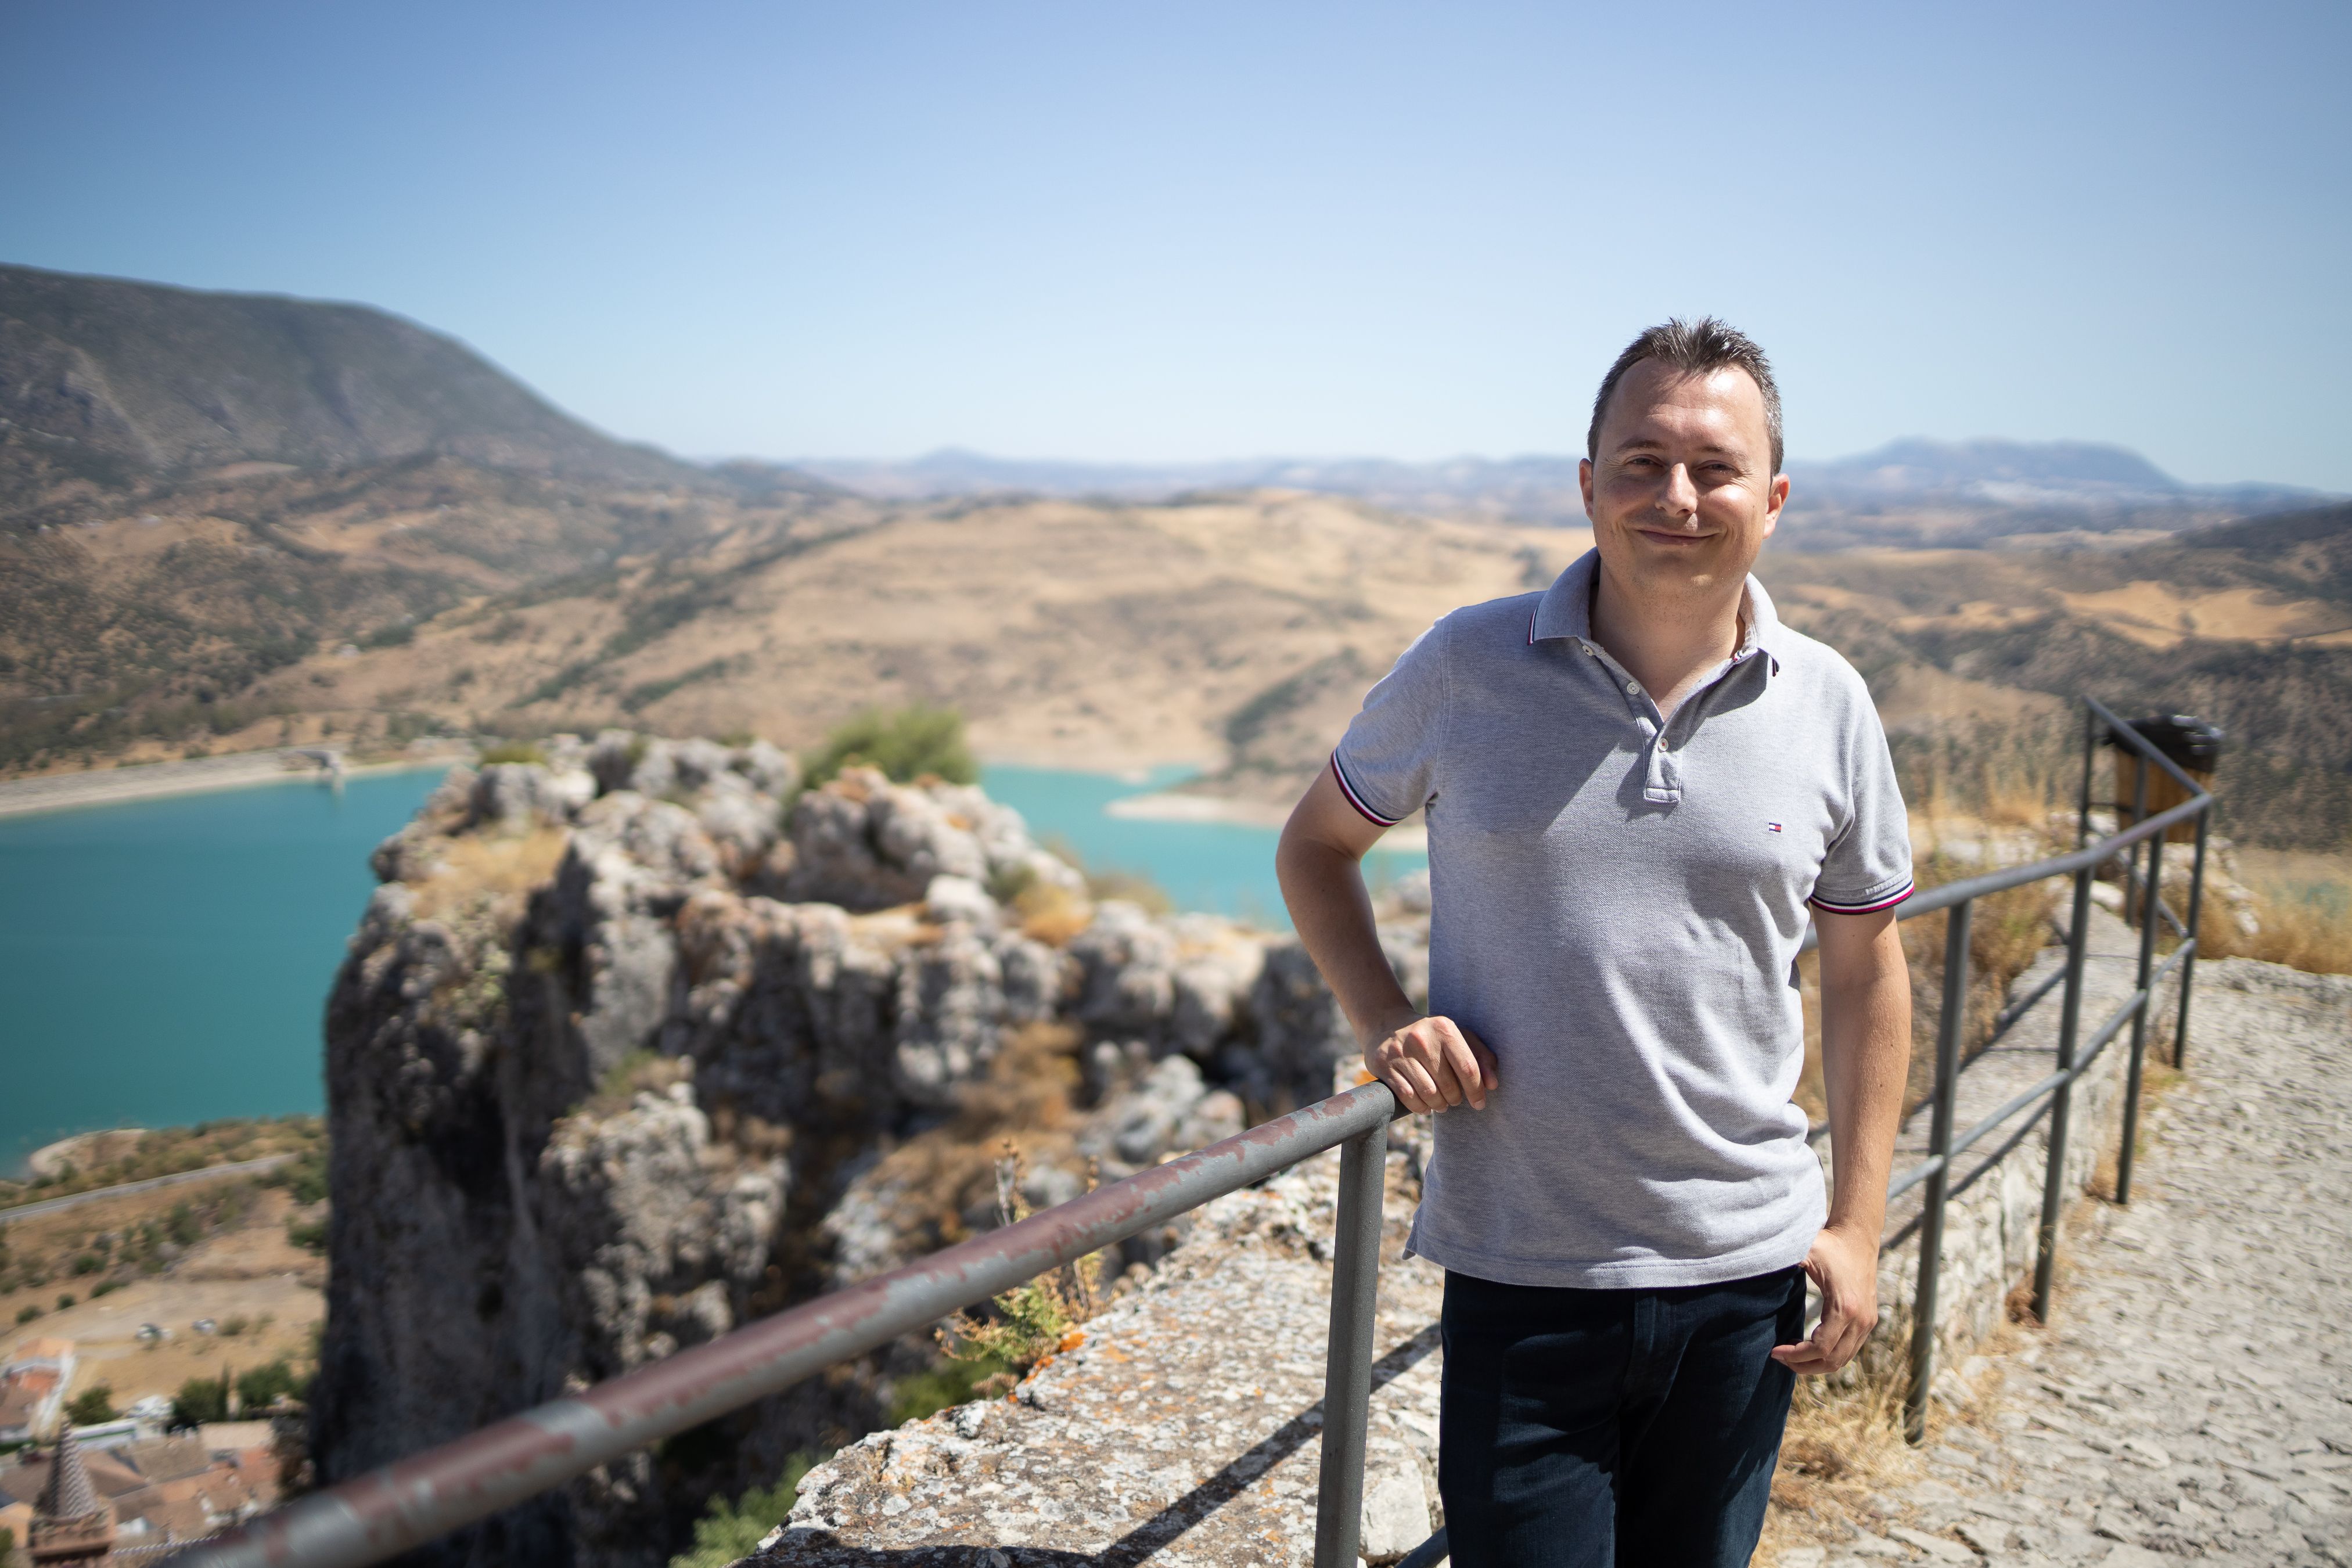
1844	1267
1433	1063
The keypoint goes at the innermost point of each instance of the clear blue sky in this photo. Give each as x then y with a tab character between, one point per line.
1162	232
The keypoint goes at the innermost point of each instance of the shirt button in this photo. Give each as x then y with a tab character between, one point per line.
1634	686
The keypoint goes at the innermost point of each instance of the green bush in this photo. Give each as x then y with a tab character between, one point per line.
304	1177
906	743
26	1313
514	752
104	1288
260	1388
310	1235
949	1383
730	1530
200	1399
92	1406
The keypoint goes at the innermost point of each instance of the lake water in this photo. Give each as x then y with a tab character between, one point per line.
167	961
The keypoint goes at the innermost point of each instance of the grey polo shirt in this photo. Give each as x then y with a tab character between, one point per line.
1617	906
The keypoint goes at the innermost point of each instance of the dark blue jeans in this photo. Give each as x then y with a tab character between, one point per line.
1594	1428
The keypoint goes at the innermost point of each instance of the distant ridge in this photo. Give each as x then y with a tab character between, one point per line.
111	379
1970	492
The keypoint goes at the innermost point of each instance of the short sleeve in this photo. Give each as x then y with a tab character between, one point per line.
1868	865
1386	762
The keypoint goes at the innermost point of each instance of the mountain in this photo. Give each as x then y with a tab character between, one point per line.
1910	492
106	379
197	488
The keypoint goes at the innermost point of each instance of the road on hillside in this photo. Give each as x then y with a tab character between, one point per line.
51	1206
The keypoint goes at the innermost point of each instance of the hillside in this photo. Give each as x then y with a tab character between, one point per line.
149	627
1911	492
106	380
2249	625
196	488
236	521
1085	634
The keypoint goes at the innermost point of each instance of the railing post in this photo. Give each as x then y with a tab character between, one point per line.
2070	1023
2090	757
2140	813
1347	1363
1950	1024
2148	923
2195	938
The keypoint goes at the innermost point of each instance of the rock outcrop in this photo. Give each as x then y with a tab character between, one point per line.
643	1041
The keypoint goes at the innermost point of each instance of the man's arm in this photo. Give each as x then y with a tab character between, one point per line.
1865	1058
1431	1063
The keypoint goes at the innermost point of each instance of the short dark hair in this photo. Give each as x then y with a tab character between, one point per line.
1692	348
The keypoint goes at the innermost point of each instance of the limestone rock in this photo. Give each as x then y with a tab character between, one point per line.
586	1117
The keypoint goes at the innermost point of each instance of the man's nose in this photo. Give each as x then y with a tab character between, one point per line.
1682	494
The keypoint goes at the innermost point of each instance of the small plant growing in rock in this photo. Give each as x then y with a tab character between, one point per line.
1034	1321
905	743
732	1531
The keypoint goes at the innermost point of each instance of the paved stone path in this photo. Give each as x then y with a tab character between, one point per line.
2193	1398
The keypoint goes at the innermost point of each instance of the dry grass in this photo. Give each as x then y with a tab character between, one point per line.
136	1156
2009	931
490	870
1052	914
1843	1451
939	1176
2310	933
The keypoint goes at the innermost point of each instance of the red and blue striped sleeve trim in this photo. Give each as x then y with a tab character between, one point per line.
1356	800
1871	908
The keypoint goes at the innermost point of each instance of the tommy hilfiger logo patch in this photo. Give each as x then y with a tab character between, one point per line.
1771	828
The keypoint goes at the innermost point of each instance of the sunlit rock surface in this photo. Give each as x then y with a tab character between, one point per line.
642	1041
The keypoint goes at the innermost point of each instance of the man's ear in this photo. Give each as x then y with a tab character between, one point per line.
1775	498
1584	483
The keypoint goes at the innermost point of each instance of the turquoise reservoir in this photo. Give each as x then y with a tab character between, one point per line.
167	961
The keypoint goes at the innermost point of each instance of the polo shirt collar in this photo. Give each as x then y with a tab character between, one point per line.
1566	609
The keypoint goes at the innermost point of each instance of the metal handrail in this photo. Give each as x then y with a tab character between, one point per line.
411	1500
402	1505
2054	1093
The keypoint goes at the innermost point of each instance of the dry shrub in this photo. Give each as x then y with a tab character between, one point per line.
1051	913
497	870
2009	773
2008	932
1844	1448
937	1176
2301	932
1036	1320
639	1072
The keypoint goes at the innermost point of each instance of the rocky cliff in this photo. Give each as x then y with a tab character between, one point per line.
628	1049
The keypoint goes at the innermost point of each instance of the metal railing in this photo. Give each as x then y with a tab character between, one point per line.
2053	1095
404	1504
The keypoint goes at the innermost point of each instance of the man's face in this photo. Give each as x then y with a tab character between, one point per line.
1682	495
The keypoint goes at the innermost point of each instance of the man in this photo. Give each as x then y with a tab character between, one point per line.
1636	782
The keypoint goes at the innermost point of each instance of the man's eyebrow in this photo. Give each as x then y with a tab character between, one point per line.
1650	444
